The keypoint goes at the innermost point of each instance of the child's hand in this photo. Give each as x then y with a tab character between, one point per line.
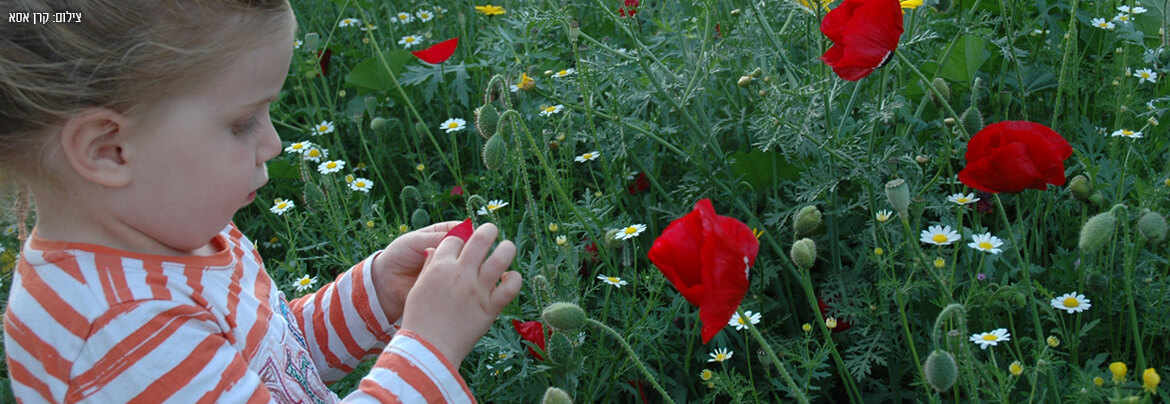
456	297
396	268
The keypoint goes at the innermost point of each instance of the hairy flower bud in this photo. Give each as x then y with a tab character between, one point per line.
409	195
1080	187
941	370
556	396
1152	226
564	316
1097	231
972	120
378	123
486	120
495	151
804	253
420	218
807	220
560	349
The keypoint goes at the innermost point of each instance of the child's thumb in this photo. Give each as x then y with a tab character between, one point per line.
507	290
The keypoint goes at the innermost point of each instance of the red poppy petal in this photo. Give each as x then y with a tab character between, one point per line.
834	23
864	34
1008	169
438	53
531	331
462	230
676	254
729	249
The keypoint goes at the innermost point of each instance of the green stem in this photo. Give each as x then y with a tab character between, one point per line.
634	356
772	357
930	87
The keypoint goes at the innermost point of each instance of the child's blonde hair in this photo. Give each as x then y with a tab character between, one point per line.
123	55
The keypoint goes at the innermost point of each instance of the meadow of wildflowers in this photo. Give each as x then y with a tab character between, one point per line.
771	201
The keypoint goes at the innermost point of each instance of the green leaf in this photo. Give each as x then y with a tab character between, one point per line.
370	75
763	169
965	59
281	169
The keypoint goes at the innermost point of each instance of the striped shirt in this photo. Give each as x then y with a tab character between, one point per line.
87	323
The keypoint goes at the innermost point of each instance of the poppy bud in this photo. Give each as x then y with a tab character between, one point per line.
421	129
899	195
943	89
1080	187
941	370
486	119
409	194
972	120
565	316
1097	231
560	349
804	253
312	41
757	72
807	220
920	159
420	218
1096	199
378	123
744	81
949	121
736	12
1152	226
556	396
494	152
611	240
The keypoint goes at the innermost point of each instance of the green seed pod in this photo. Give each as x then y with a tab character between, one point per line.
1097	231
486	120
495	151
420	218
1081	188
804	253
565	316
1152	226
807	220
560	349
611	240
312	41
410	196
941	370
744	81
972	120
378	123
899	195
421	129
556	396
1096	199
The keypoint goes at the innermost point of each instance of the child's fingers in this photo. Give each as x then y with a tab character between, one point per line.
479	243
442	227
495	265
449	247
507	290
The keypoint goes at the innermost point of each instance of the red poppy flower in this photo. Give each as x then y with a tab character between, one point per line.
457	190
1011	156
531	331
438	53
622	12
864	34
324	55
706	257
640	184
842	325
462	231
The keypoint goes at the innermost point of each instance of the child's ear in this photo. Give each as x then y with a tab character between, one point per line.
92	141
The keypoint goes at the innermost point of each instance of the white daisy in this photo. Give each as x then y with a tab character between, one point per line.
297	44
349	22
992	338
514	88
1123	17
361	184
304	283
404	18
272	242
1127	133
279	206
1071	302
325	127
630	232
613	280
986	242
939	235
961	199
369	27
562	240
1145	75
424	15
737	321
883	215
555	109
10	230
587	156
410	40
492	205
452	125
1123	8
440	10
315	154
1102	24
720	355
1137	10
298	147
706	375
330	167
565	72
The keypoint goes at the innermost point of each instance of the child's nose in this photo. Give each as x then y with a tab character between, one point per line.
269	146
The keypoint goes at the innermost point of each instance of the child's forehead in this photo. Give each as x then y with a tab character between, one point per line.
252	77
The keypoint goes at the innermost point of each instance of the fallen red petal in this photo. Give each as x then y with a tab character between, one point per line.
438	53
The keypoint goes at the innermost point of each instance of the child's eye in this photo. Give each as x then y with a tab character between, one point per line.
244	128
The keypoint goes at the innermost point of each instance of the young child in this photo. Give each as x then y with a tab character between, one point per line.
139	132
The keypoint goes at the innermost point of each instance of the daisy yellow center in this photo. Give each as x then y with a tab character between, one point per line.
314	153
720	357
985	245
740	321
402	16
409	39
990	337
1071	302
425	15
939	238
305	281
453	125
1103	25
298	146
349	178
613	280
962	200
631	230
273	240
1127	132
492	206
562	72
707	374
587	156
1145	75
282	205
330	165
361	184
550	109
1123	18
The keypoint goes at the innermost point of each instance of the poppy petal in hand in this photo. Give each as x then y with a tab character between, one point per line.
1012	156
706	257
864	33
531	331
